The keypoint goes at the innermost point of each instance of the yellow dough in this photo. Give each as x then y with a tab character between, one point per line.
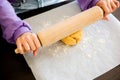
73	39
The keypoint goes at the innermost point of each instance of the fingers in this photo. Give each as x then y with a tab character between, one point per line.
108	3
113	6
22	44
104	6
37	44
28	42
117	3
19	46
35	52
108	6
25	45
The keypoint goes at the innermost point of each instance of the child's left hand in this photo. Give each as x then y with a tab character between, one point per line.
108	6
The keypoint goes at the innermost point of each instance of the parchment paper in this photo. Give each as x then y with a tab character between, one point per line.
98	52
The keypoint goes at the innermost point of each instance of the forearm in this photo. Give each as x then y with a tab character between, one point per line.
12	25
85	4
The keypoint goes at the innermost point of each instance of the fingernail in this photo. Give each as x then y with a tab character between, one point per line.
35	54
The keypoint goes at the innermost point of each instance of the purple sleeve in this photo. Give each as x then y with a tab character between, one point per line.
85	4
12	25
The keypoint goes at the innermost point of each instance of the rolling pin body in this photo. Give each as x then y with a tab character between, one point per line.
65	28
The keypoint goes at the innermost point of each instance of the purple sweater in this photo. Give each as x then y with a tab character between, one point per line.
85	4
13	26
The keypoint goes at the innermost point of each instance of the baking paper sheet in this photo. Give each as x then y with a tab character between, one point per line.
98	52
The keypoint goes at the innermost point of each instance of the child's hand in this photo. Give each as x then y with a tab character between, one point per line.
108	6
28	42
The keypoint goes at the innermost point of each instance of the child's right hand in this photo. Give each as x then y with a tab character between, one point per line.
108	6
28	42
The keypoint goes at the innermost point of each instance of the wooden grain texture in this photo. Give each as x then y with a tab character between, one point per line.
113	74
65	28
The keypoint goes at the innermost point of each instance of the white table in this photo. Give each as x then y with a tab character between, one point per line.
97	53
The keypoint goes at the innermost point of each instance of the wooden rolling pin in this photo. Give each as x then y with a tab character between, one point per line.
67	27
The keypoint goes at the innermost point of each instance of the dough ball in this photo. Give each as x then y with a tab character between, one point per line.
73	39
